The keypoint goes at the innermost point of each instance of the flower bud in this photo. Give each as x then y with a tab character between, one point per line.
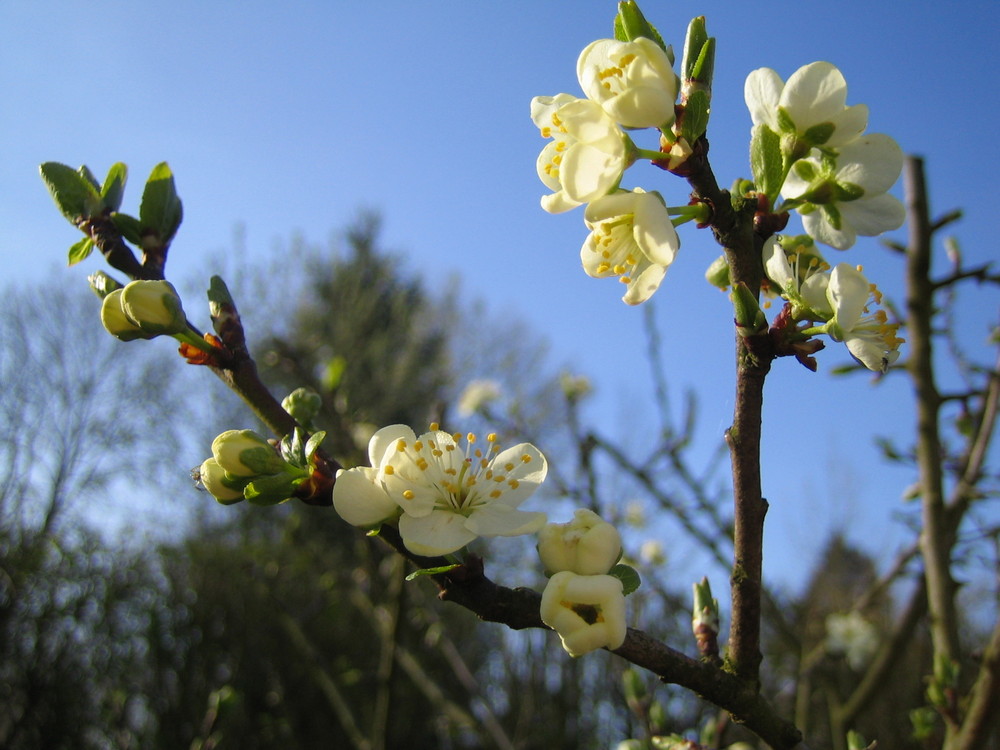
588	612
244	453
221	486
303	404
116	322
154	307
587	545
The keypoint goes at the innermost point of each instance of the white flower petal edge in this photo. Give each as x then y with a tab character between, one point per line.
869	337
587	545
632	81
588	612
761	92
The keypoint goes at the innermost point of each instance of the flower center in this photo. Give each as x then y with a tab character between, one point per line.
613	78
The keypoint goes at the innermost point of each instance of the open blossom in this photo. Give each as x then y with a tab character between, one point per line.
477	395
869	337
587	545
448	494
631	238
586	156
632	81
812	105
801	279
844	197
853	636
588	612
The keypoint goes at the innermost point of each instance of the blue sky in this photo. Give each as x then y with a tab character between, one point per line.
291	119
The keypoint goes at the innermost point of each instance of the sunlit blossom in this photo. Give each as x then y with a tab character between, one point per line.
632	239
586	156
868	335
449	488
845	196
852	636
812	105
587	545
588	612
632	81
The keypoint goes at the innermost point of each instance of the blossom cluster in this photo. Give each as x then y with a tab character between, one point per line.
841	300
627	85
443	489
246	466
581	602
827	168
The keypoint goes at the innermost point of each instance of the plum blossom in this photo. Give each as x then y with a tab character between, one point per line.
853	636
587	545
811	106
588	612
632	81
477	395
844	197
586	156
448	494
801	279
631	238
869	337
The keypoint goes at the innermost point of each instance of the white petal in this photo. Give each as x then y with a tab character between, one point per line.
654	233
813	292
360	500
872	216
868	353
761	92
872	162
815	93
610	206
386	437
523	465
848	294
439	533
587	173
497	519
776	265
642	287
817	226
850	124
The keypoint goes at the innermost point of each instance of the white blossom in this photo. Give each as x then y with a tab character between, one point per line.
632	81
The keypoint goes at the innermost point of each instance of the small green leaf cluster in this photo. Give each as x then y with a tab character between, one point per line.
86	203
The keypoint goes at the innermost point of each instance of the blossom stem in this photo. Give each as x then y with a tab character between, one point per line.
190	337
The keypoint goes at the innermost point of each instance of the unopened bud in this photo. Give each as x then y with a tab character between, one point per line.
587	545
244	453
227	490
154	307
303	404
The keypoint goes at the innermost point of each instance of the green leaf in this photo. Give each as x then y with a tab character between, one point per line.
160	211
629	577
432	571
80	250
114	187
766	160
129	227
84	171
75	196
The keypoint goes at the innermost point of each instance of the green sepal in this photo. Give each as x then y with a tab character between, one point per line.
785	122
717	273
629	577
697	109
77	198
80	251
262	460
160	211
312	445
129	227
819	134
432	571
766	161
630	24
102	285
114	187
270	490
